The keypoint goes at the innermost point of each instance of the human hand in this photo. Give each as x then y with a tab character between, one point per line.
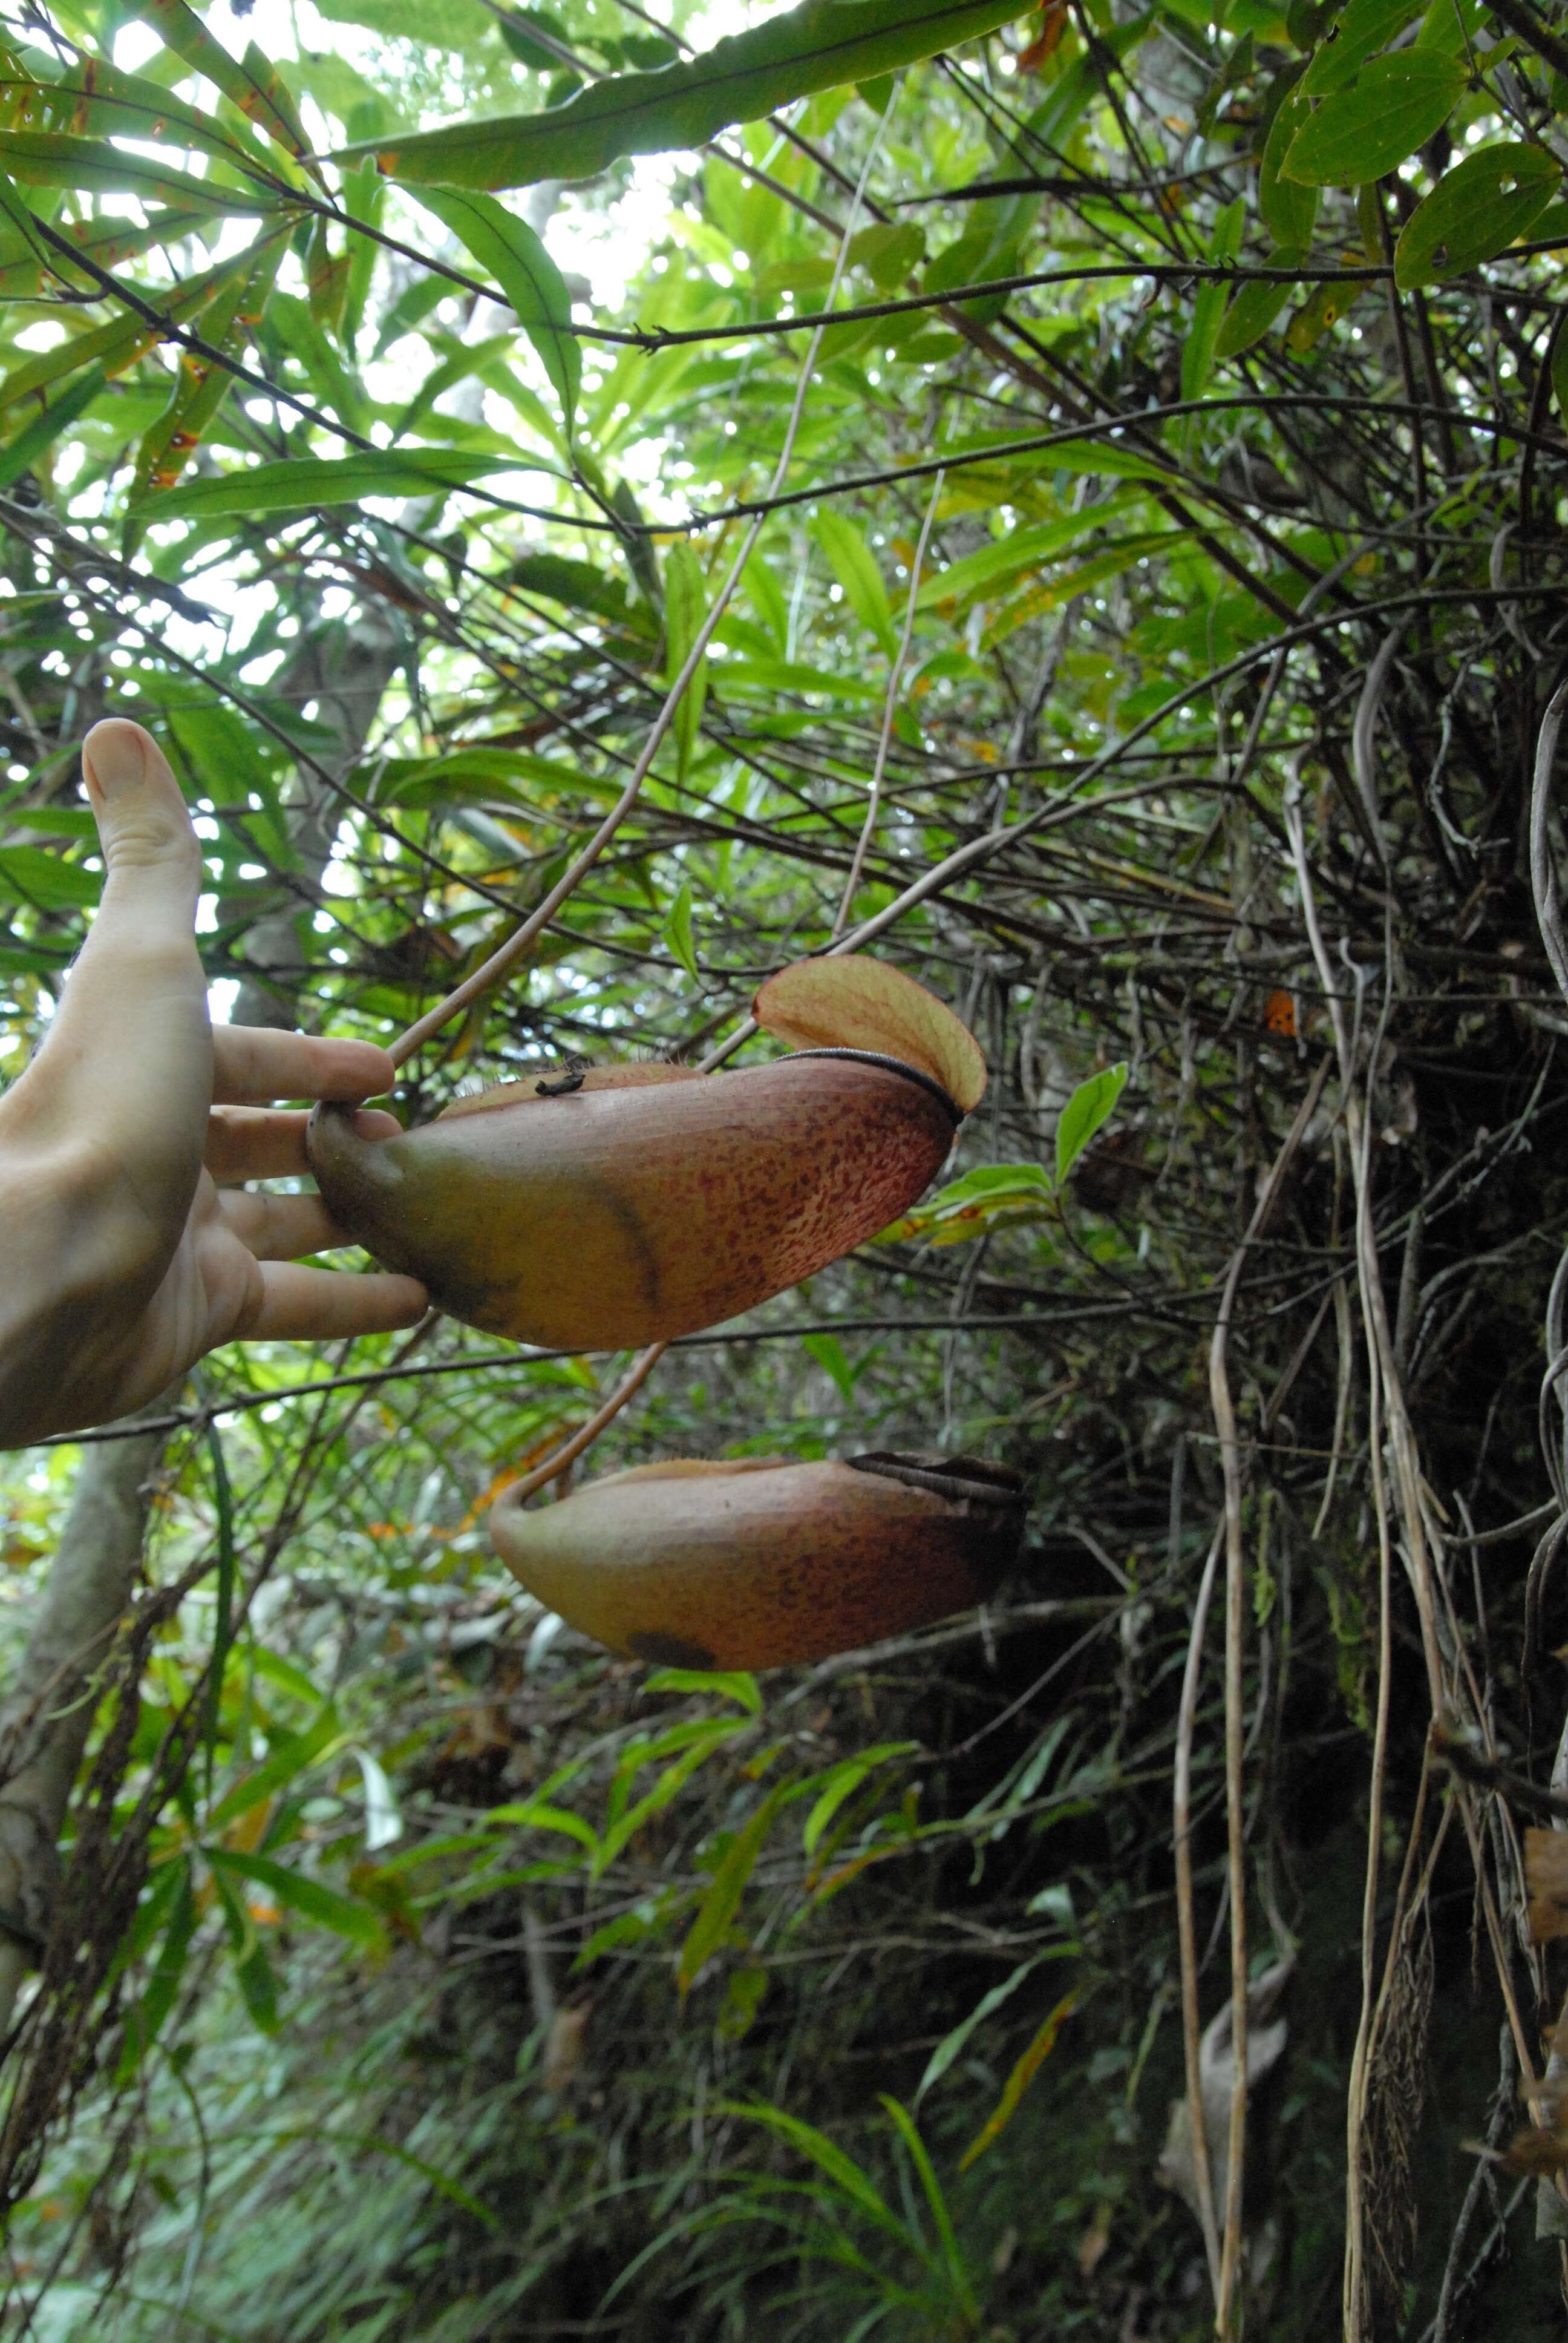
128	1246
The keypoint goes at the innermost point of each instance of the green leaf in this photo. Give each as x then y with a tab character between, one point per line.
829	1354
536	1814
685	607
576	585
678	931
30	874
1290	212
122	340
1018	2081
1209	306
851	2181
1359	134
857	572
515	256
819	45
94	98
144	2022
105	241
1474	212
301	482
890	253
1019	550
953	2262
735	1684
344	1914
1093	1104
291	1756
1324	307
200	385
254	84
1359	32
21	453
952	2043
47	158
967	1207
718	1906
839	1783
252	1970
1253	311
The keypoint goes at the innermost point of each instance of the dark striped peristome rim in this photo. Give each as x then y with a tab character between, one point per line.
890	1066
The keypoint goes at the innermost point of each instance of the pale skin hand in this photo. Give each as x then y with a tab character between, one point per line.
129	1247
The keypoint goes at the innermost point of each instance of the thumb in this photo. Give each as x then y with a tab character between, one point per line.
129	1051
150	850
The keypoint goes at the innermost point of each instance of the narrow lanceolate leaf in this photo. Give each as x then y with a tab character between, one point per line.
120	340
685	607
1290	210
104	242
94	99
344	1914
49	158
719	1905
1359	134
1475	211
301	482
515	257
201	384
855	567
21	453
1018	2081
822	45
253	83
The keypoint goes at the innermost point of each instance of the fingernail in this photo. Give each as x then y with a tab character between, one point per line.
113	758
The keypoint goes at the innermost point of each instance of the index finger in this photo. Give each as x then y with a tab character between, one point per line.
254	1064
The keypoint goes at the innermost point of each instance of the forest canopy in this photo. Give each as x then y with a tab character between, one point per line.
1069	502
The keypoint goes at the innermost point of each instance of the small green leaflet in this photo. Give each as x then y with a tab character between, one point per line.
1474	212
821	44
968	1206
829	1354
855	570
1093	1102
1359	134
735	1684
509	248
678	931
1021	549
839	1783
1254	310
710	1927
947	2048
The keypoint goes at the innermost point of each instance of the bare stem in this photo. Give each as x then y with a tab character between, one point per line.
586	1435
